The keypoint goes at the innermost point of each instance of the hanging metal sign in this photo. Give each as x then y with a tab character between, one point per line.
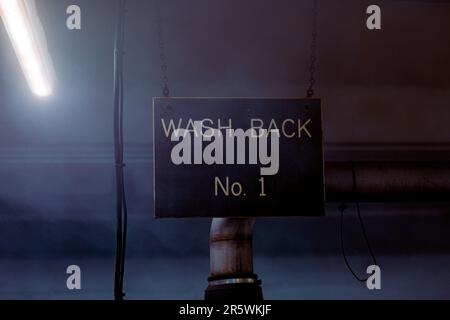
237	157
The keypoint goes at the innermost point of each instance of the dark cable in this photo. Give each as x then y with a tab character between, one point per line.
121	206
342	209
162	50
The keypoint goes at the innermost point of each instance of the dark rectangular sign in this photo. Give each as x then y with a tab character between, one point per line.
237	157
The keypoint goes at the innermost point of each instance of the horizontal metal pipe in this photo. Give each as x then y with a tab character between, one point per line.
387	181
231	239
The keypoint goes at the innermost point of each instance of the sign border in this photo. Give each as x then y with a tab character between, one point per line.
231	98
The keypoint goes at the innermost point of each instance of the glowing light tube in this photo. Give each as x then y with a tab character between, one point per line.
28	39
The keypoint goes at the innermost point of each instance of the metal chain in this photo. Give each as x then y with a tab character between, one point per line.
162	51
313	57
163	56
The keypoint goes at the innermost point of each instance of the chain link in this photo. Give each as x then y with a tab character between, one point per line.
313	57
163	56
162	51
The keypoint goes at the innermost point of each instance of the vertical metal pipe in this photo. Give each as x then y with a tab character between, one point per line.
231	261
231	247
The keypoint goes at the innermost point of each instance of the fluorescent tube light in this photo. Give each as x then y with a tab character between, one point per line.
28	39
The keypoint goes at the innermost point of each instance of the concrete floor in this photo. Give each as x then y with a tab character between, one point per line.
403	277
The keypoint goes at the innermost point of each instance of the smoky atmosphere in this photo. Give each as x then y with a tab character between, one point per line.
107	193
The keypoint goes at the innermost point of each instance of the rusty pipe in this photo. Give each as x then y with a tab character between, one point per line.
231	248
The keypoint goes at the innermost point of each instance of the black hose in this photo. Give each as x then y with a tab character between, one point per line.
121	206
342	209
